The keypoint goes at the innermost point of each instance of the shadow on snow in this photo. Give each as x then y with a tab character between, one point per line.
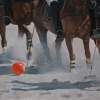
56	85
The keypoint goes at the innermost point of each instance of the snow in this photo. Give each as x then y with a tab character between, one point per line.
53	82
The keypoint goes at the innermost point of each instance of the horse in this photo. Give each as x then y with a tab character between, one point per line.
21	15
44	23
76	22
70	25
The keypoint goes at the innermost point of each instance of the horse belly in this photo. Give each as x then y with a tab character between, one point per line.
22	13
70	24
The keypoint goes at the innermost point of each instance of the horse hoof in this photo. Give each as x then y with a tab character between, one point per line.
70	68
30	63
32	70
4	49
89	66
72	65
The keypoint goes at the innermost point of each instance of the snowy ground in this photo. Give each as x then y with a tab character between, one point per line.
52	82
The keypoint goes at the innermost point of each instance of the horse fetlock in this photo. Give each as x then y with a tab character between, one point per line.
29	49
3	43
29	52
29	55
72	64
88	61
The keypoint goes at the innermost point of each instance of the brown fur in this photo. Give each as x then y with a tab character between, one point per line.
22	16
76	26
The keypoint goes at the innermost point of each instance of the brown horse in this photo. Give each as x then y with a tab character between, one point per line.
21	15
73	26
76	23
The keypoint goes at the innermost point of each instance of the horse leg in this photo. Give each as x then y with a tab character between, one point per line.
28	41
87	52
20	31
58	42
70	50
98	49
43	40
2	29
3	41
29	45
97	43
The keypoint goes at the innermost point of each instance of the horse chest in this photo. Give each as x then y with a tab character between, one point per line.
76	8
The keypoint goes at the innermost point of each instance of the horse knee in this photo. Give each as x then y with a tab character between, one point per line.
59	38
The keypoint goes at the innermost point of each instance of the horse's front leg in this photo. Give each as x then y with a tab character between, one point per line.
2	29
3	42
70	50
58	42
29	45
20	31
28	42
87	53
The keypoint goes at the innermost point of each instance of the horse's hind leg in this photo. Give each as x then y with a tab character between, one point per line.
70	50
2	28
87	52
58	42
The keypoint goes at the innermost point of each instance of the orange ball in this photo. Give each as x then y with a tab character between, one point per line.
18	68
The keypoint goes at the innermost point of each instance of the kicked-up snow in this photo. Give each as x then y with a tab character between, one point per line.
52	81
